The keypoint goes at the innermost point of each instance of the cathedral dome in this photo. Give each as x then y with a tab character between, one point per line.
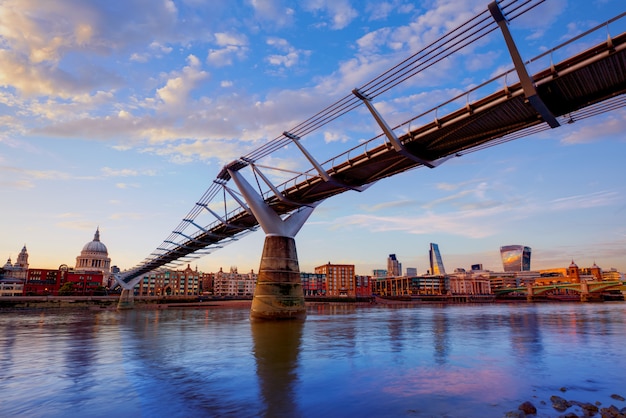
95	246
94	256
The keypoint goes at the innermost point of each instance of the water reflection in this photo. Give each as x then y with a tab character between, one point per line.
276	349
80	352
469	361
440	325
525	334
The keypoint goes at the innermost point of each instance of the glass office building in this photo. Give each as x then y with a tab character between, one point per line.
436	263
515	258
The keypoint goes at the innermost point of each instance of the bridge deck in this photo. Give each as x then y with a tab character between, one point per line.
580	82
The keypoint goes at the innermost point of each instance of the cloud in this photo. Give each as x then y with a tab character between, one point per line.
335	137
273	12
175	93
592	200
612	125
470	213
41	40
290	56
461	223
230	46
127	185
127	216
340	12
390	205
126	172
382	10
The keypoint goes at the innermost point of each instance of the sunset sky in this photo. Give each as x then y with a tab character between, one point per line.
119	115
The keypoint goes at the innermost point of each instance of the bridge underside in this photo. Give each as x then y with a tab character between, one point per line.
571	90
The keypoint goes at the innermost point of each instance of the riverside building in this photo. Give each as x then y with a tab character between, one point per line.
313	284
233	283
473	282
165	282
339	279
19	269
45	281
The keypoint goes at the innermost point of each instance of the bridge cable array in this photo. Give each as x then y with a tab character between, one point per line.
476	28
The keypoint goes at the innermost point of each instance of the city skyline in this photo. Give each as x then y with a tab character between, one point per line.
120	119
434	256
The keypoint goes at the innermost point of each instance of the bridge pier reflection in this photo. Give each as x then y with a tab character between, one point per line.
276	349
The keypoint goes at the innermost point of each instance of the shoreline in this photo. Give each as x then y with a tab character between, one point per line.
195	302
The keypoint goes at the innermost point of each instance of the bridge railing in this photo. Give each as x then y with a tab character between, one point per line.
503	81
198	221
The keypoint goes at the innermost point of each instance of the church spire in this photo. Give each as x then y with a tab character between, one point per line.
96	236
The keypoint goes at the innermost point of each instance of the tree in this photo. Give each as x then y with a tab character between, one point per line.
67	289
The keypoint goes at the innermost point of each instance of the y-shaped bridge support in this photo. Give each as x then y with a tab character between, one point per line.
127	297
278	293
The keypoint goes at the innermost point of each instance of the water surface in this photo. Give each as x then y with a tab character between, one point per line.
343	361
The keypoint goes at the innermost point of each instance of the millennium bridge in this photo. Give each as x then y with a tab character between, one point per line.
515	104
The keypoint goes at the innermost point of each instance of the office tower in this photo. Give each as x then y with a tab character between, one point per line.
436	263
394	267
515	257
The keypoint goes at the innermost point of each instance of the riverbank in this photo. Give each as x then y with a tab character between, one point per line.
110	302
160	302
572	408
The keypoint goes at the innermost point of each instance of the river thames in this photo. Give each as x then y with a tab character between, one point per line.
479	360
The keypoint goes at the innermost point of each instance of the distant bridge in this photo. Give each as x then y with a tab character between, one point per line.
586	84
585	288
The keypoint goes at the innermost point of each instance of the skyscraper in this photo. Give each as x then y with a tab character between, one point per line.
515	257
394	267
436	263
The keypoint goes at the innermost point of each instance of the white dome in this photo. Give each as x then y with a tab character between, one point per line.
95	246
94	256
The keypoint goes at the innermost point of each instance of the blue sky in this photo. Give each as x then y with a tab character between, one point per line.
119	115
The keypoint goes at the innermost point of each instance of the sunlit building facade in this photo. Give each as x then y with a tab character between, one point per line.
164	282
313	284
515	258
363	286
470	283
394	267
339	279
19	269
410	286
233	283
436	262
45	281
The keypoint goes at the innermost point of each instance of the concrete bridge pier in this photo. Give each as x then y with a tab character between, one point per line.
278	293
127	300
530	293
127	297
587	296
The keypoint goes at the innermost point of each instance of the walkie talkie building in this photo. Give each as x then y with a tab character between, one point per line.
515	257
